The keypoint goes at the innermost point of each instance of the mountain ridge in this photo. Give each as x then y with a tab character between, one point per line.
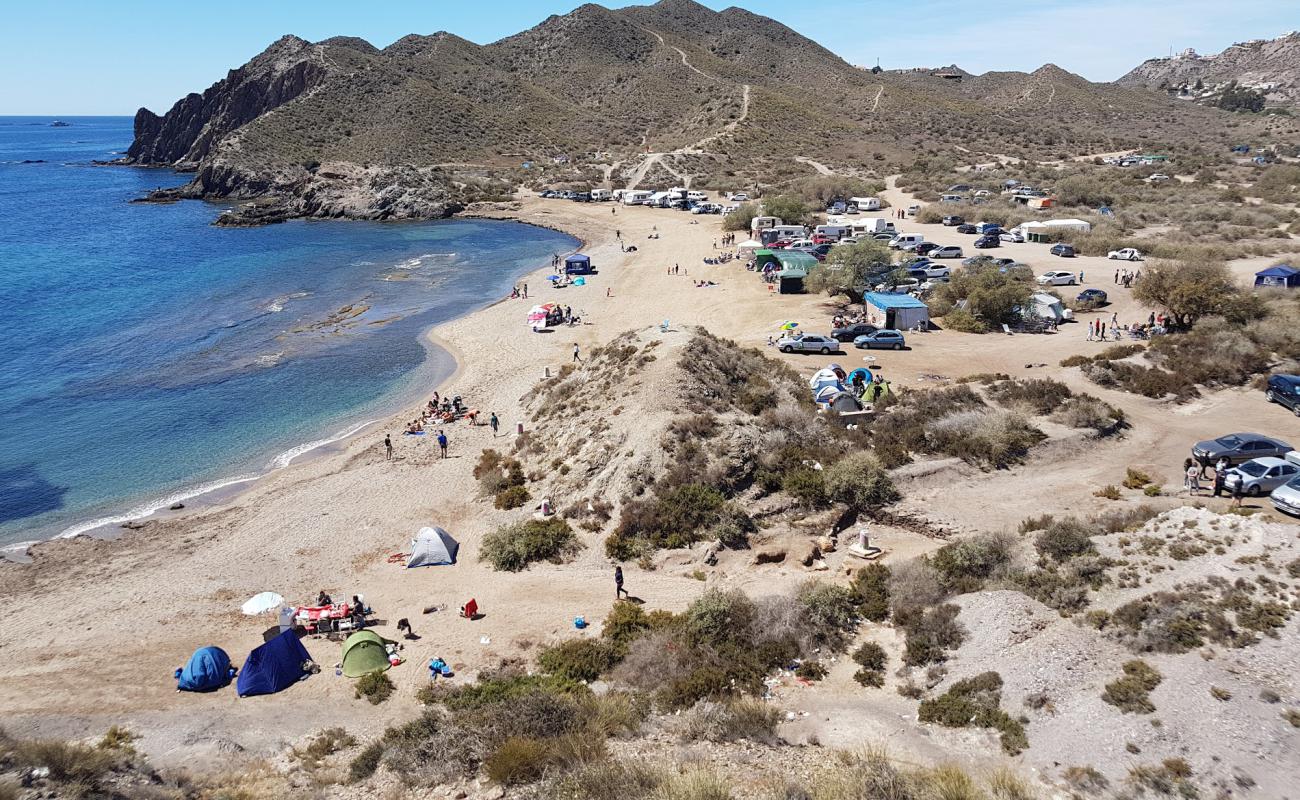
1271	66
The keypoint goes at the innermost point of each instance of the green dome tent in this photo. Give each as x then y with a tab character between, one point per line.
364	652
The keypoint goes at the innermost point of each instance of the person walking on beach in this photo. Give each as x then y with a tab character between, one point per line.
442	442
619	591
577	353
495	423
388	447
525	291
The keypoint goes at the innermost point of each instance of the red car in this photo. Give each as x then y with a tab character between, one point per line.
821	238
780	244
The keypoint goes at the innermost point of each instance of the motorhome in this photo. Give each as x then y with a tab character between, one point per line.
835	232
601	194
788	231
763	223
635	197
659	200
906	241
865	203
677	193
871	226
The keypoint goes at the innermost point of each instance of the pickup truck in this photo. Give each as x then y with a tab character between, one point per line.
1125	254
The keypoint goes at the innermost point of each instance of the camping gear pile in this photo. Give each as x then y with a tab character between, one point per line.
333	618
829	390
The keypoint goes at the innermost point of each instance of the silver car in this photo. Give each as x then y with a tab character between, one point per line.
1286	498
1263	475
807	343
1237	448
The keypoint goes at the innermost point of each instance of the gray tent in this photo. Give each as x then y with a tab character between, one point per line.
432	547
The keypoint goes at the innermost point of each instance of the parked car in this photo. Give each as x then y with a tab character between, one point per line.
850	332
1237	448
887	338
959	187
821	250
924	248
807	343
1004	262
1263	475
1285	391
933	270
949	251
1094	297
1286	498
739	197
883	237
780	244
985	242
953	220
1057	278
967	228
1125	254
1062	250
1015	237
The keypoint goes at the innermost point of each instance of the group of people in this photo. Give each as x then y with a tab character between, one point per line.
1226	481
1125	277
722	258
520	291
727	241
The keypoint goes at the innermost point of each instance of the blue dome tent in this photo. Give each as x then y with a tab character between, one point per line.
207	670
274	666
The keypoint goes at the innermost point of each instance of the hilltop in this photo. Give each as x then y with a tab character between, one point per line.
668	93
1269	66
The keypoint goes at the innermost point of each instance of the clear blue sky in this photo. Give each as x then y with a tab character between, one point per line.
99	57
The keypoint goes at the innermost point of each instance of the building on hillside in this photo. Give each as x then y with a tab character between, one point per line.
898	311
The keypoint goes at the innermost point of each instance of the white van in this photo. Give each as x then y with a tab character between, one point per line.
912	210
865	203
635	197
698	197
871	226
906	241
601	194
763	223
835	232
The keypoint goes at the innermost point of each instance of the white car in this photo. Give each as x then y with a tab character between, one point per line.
1158	177
1057	278
1286	498
948	251
1015	237
739	197
1125	254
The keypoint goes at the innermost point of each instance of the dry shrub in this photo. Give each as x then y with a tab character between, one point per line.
871	585
515	547
1132	693
965	565
990	439
1087	412
604	780
930	633
976	702
1039	395
1065	539
578	659
730	720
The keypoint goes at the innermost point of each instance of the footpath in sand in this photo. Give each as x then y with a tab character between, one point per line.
93	629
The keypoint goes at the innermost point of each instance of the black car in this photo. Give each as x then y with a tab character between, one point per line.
1094	297
1285	391
988	241
821	250
1063	250
925	247
850	332
967	228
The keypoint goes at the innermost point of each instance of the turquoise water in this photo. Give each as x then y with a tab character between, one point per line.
145	353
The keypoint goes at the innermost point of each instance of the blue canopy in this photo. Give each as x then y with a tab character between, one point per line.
578	258
274	666
1278	275
208	670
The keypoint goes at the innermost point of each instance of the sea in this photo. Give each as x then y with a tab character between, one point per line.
148	357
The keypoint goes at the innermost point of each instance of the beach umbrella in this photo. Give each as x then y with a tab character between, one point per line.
262	603
789	326
552	277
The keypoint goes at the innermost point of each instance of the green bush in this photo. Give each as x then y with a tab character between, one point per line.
859	481
810	670
975	702
578	659
871	658
959	319
366	762
511	497
929	633
806	485
830	610
1065	539
675	519
374	687
964	565
871	585
1132	693
515	547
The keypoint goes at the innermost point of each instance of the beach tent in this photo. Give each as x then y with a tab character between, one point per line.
262	603
749	246
207	670
432	547
1280	276
1048	306
274	666
577	264
364	652
764	257
897	311
844	403
537	315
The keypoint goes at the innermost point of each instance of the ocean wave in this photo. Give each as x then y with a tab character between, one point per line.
284	459
154	506
277	304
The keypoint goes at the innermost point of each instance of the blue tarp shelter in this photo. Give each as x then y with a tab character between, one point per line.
577	264
274	666
897	311
1280	276
207	670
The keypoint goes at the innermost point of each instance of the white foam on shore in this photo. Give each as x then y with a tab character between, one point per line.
284	459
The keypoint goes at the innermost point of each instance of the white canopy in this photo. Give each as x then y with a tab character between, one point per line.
262	603
432	547
749	244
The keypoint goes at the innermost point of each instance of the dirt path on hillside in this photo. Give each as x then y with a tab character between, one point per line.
821	168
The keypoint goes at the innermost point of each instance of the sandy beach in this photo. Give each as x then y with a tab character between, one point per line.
95	628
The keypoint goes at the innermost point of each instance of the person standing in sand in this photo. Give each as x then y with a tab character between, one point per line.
388	447
577	353
442	442
525	291
495	423
619	591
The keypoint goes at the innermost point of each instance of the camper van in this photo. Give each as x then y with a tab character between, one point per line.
697	197
870	226
677	193
635	197
600	195
659	200
950	198
865	203
831	232
906	241
788	231
763	223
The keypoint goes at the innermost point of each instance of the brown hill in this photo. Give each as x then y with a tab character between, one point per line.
670	92
1271	66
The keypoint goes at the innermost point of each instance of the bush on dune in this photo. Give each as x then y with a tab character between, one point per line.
515	547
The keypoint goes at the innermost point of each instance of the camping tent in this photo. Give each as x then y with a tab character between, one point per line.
364	652
897	311
274	666
206	671
1037	231
577	264
1048	306
1280	276
432	547
795	266
749	246
763	257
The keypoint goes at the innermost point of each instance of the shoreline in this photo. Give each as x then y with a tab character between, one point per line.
219	493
